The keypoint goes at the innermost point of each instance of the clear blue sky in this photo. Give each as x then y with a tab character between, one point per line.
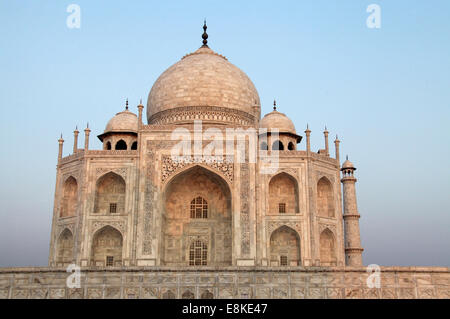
386	92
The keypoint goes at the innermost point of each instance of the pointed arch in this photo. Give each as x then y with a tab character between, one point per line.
283	194
179	192
121	145
285	247
64	248
327	248
191	167
291	146
69	199
110	194
106	248
325	202
264	146
168	295
207	295
277	146
134	146
108	145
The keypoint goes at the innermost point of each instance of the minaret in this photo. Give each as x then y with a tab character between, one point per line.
75	140
60	150
353	249
336	147
308	139
86	137
327	149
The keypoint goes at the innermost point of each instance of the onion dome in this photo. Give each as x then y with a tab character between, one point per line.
203	85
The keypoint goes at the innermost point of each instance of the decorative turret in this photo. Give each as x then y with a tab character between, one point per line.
327	149
75	140
353	249
121	131
87	131
60	149
278	123
336	146
308	139
140	109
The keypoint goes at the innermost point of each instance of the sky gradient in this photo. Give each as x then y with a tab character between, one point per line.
385	92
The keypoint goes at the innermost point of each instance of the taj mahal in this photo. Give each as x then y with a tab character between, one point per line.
131	204
141	224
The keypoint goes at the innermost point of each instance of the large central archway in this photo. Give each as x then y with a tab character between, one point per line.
196	221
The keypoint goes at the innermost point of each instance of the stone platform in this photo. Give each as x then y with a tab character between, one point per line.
227	282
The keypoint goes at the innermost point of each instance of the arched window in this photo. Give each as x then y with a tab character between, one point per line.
284	247
327	249
110	194
325	207
283	195
277	146
264	146
199	208
107	247
64	253
213	210
69	200
108	146
207	295
188	295
134	146
168	295
121	145
198	253
291	146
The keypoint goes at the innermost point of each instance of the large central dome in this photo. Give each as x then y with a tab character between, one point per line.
203	85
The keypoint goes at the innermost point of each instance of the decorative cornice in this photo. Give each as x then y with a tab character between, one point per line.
330	227
119	171
351	216
110	152
273	225
170	167
205	113
354	250
119	225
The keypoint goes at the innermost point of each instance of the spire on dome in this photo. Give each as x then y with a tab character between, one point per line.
205	35
274	105
126	105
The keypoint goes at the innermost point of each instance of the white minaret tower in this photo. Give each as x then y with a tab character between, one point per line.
353	249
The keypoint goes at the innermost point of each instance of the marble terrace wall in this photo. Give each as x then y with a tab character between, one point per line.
226	282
